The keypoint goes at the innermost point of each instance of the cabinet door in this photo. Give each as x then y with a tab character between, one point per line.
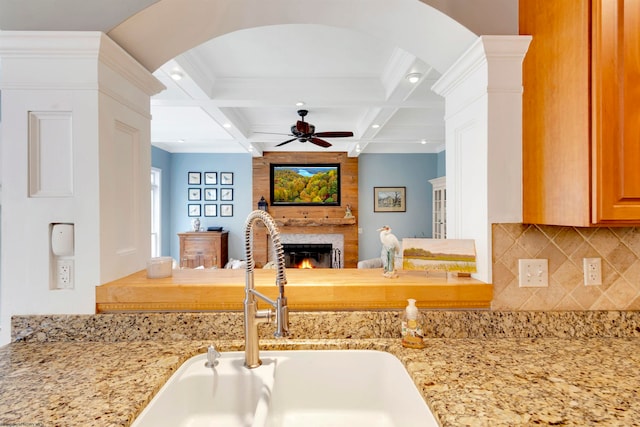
556	112
616	111
199	250
439	224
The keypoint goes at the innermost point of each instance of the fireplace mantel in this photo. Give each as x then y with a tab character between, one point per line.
347	227
314	222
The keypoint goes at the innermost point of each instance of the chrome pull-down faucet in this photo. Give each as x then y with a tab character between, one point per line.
253	316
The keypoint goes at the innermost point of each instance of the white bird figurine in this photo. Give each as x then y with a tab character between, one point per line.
390	246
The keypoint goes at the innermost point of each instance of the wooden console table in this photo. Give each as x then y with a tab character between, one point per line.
204	248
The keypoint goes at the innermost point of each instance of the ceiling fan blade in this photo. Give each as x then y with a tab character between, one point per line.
333	134
287	141
320	142
302	127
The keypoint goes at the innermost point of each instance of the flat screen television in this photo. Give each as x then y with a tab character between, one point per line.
305	184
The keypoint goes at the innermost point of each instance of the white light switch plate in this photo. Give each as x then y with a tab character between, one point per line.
533	273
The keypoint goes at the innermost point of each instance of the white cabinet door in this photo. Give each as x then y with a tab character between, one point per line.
439	207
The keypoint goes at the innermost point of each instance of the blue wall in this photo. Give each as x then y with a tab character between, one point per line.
374	170
412	171
442	166
241	165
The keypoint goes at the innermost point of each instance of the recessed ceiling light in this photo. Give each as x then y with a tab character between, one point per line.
299	103
181	141
424	141
176	75
376	126
413	77
226	125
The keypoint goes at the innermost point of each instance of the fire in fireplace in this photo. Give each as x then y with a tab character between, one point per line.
307	255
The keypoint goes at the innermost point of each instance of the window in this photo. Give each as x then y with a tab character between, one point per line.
156	181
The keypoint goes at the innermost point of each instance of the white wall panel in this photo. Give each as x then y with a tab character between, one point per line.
50	154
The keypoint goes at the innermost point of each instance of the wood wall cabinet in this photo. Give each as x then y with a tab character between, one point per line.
204	248
581	112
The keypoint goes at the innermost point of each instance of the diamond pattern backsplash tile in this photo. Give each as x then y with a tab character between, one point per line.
565	248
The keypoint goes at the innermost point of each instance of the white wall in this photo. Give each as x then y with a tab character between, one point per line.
483	123
76	149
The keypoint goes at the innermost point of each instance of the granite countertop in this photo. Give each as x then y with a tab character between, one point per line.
466	381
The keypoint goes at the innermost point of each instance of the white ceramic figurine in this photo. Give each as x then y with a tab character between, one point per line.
390	247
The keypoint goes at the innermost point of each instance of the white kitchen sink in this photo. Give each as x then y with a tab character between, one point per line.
291	388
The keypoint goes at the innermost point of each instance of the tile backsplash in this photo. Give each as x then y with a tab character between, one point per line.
565	248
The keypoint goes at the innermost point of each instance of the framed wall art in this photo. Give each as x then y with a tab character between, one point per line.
193	209
322	180
226	210
226	178
210	210
210	178
195	194
210	194
389	199
193	178
450	255
226	194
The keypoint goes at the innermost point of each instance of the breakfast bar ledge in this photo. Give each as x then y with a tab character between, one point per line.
307	289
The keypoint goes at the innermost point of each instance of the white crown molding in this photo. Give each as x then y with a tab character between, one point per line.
71	46
116	58
484	50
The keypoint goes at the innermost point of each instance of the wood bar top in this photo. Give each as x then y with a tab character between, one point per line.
306	289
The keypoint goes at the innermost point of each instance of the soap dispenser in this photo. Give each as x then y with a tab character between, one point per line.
412	326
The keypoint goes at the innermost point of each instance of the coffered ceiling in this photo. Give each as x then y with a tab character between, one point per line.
254	80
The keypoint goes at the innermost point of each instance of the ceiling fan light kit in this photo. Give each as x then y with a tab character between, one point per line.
306	132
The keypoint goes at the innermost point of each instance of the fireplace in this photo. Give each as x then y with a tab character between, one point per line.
330	246
308	255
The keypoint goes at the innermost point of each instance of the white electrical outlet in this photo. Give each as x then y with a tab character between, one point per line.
533	273
64	276
592	268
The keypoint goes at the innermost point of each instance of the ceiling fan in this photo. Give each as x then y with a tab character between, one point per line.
303	132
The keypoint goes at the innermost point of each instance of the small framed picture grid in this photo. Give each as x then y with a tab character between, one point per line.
203	187
226	194
226	209
210	178
210	194
226	178
210	209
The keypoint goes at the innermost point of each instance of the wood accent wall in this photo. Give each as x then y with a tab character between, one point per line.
349	195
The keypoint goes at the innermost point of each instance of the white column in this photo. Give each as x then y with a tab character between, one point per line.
483	122
75	149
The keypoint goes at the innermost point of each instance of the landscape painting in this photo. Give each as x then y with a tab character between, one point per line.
305	184
445	255
389	199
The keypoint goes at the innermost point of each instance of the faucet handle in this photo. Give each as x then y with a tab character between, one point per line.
212	356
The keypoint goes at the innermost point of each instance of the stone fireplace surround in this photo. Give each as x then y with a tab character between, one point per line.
335	240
